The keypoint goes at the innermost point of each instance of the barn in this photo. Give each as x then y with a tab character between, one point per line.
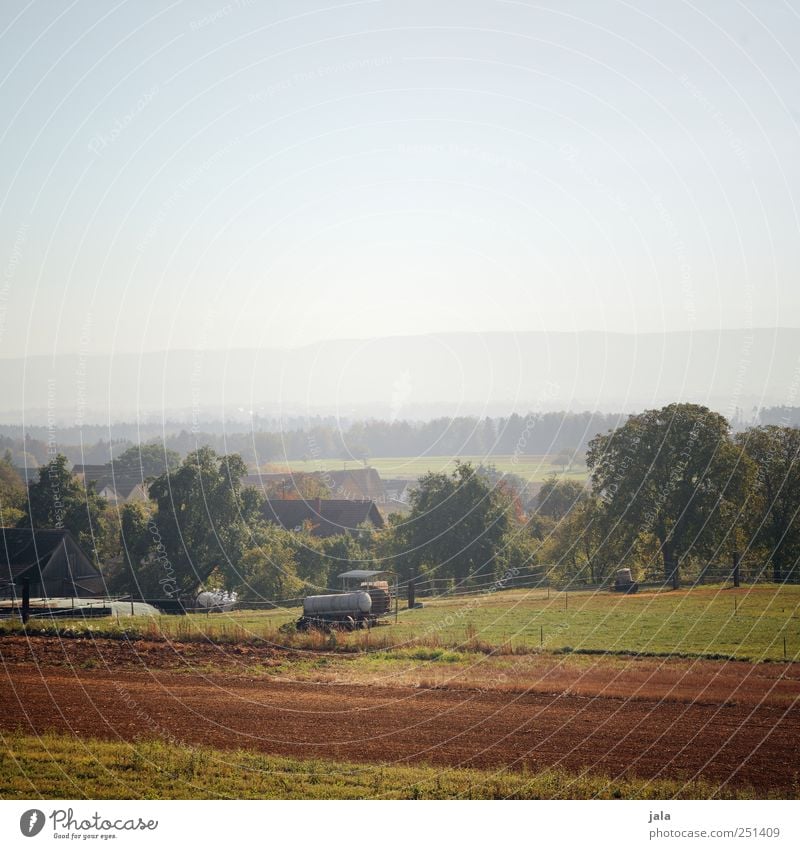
325	516
51	560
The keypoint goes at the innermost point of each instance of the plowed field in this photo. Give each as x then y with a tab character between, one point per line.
740	731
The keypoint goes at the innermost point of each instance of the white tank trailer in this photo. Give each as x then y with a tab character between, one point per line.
343	610
215	601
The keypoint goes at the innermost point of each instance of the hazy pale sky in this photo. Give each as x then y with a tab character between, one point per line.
212	174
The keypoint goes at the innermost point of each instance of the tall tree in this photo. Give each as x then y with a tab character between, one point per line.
147	460
455	527
675	472
12	493
557	497
580	545
59	500
203	517
267	571
775	513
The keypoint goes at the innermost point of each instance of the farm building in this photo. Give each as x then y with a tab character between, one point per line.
351	484
398	494
116	487
399	489
355	484
326	516
288	484
51	559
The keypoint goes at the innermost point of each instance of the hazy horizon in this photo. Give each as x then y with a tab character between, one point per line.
209	176
373	338
418	377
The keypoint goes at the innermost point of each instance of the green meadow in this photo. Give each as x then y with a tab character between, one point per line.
760	623
532	467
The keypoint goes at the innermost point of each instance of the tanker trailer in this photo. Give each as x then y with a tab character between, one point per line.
215	601
343	610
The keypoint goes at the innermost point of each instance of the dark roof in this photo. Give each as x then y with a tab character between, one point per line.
123	483
352	484
51	559
364	574
22	548
328	516
259	478
355	484
91	471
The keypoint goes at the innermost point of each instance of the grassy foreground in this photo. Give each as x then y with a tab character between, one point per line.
63	767
750	623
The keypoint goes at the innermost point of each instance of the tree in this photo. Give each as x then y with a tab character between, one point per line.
268	570
12	493
557	497
563	459
135	570
148	460
203	517
59	500
517	487
580	545
297	485
455	527
347	551
675	472
775	511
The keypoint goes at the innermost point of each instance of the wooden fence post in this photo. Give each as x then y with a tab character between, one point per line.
736	568
26	599
412	594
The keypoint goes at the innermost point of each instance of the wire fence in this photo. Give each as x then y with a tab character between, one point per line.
550	578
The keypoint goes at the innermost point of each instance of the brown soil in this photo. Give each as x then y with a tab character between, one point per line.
741	730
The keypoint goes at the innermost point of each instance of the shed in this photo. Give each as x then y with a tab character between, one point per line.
54	563
381	584
355	484
355	579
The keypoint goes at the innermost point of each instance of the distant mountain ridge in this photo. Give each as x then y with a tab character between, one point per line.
411	377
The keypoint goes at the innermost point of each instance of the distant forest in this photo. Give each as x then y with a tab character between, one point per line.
270	441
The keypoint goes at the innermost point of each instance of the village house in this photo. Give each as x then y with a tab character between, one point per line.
116	487
324	516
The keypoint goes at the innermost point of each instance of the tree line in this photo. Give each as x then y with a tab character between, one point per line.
668	491
535	433
324	437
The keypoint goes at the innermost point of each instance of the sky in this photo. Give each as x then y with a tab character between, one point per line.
247	174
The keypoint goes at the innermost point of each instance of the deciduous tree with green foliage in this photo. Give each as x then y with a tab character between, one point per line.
774	512
676	473
147	460
12	493
203	517
580	545
455	527
268	570
59	500
557	497
137	569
